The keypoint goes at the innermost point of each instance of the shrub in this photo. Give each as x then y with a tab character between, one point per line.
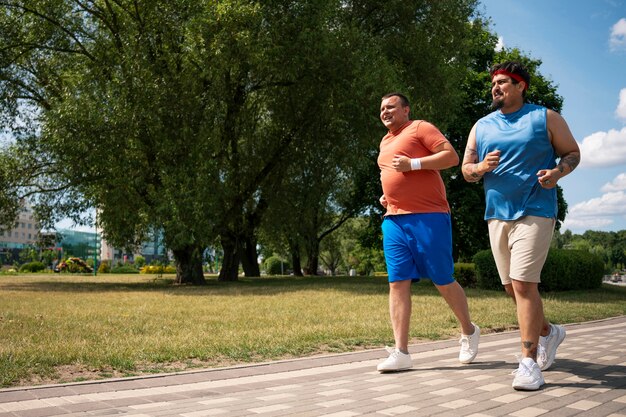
32	267
486	272
124	269
73	265
275	266
158	269
563	270
465	274
140	261
105	267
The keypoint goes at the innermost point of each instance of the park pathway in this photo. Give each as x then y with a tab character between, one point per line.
587	379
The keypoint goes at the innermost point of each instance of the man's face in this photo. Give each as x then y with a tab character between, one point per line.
393	114
504	92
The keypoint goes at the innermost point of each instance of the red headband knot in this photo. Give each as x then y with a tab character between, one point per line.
510	74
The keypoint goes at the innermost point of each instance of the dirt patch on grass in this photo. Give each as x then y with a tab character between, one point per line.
79	373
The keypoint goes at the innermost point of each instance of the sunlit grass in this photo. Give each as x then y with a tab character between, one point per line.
116	325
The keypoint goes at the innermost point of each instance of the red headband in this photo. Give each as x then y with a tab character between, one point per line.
510	74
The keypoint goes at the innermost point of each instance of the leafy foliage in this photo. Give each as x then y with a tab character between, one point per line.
230	121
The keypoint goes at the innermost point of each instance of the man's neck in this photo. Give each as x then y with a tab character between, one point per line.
512	108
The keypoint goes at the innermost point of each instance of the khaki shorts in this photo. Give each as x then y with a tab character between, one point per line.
520	247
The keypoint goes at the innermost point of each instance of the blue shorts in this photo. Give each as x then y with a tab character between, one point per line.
419	246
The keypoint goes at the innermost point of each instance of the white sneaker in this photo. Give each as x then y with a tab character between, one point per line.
397	361
469	346
528	376
546	351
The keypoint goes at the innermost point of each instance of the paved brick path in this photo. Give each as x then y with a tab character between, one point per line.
587	379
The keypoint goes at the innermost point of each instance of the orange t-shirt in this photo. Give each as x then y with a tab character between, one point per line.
420	191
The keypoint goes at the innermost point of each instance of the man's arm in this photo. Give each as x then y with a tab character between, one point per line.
473	170
444	156
565	147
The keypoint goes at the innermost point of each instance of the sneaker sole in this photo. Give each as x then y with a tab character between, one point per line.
386	371
527	387
468	361
533	387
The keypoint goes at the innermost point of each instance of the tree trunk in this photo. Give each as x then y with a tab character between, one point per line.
249	257
296	263
189	265
230	263
313	252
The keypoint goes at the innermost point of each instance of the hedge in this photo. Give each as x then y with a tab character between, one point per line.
32	267
465	274
487	276
563	270
124	269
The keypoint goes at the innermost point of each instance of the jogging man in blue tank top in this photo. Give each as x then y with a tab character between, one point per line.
515	150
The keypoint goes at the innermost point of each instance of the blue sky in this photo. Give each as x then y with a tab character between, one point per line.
582	46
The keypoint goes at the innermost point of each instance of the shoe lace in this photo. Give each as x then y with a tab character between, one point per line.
464	341
522	369
390	349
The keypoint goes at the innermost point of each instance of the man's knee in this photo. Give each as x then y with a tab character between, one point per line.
400	287
525	289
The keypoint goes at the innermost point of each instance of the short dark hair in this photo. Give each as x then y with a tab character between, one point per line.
513	67
403	100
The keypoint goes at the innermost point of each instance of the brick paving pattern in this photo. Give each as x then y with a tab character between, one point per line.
587	379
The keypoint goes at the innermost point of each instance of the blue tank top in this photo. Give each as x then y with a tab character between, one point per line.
512	190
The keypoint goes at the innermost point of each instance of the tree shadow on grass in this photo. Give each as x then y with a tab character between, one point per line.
369	285
264	286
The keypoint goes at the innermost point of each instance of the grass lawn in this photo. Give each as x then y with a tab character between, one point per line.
63	328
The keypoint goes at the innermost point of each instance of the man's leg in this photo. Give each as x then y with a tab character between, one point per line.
455	297
400	312
545	328
529	316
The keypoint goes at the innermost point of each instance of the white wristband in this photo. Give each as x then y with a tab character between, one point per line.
415	164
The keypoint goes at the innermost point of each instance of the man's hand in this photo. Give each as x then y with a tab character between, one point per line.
547	178
491	162
401	163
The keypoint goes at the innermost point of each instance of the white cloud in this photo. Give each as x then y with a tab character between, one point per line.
585	224
618	35
500	45
620	112
618	184
596	213
603	149
610	204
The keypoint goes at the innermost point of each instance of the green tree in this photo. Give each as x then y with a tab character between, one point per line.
169	114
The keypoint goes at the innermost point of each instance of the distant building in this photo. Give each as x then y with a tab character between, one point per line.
151	249
24	234
84	245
